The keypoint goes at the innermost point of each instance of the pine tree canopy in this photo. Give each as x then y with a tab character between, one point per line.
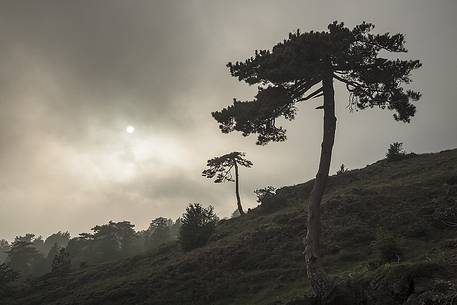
221	166
289	73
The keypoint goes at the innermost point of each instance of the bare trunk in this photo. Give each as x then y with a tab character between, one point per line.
237	190
320	282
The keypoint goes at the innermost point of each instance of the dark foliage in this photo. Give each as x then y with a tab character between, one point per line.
342	170
288	72
61	262
7	275
269	199
59	238
221	167
107	242
4	248
265	193
113	240
158	233
258	259
396	152
198	223
24	258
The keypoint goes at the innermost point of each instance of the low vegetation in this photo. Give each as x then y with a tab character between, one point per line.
388	239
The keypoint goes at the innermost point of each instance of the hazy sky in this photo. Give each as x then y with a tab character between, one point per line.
75	74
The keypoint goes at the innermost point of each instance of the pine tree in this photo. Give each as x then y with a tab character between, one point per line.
221	167
304	67
198	223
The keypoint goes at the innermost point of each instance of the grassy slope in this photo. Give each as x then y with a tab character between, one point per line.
257	258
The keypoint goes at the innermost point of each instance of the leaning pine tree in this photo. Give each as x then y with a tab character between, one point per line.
222	166
304	67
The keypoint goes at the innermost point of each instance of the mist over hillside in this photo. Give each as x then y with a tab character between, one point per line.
150	152
388	231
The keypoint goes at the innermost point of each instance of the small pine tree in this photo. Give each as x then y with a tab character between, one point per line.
221	168
396	152
198	223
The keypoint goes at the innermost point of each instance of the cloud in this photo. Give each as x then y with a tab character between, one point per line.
75	74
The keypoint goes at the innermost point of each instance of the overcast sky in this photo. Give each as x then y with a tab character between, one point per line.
75	74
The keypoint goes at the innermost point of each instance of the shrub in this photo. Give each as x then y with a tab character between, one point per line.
198	223
395	152
342	170
269	199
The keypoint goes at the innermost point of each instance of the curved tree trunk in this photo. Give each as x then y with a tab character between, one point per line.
237	190
320	282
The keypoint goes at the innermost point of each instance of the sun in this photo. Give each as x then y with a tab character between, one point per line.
130	129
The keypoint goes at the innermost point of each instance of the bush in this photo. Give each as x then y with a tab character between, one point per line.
198	223
342	170
395	152
269	199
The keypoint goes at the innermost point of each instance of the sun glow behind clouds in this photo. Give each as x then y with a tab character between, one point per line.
130	129
121	158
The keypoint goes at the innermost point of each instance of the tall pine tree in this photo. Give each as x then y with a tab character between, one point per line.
304	67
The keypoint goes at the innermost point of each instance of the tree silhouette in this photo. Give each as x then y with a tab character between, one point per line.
24	258
221	167
395	152
61	238
113	240
198	223
4	248
289	73
159	232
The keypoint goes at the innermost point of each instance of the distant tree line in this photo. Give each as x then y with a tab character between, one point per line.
30	255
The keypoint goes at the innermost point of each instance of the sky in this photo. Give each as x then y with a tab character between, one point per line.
75	74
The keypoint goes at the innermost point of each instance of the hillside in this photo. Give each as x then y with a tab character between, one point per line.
409	206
